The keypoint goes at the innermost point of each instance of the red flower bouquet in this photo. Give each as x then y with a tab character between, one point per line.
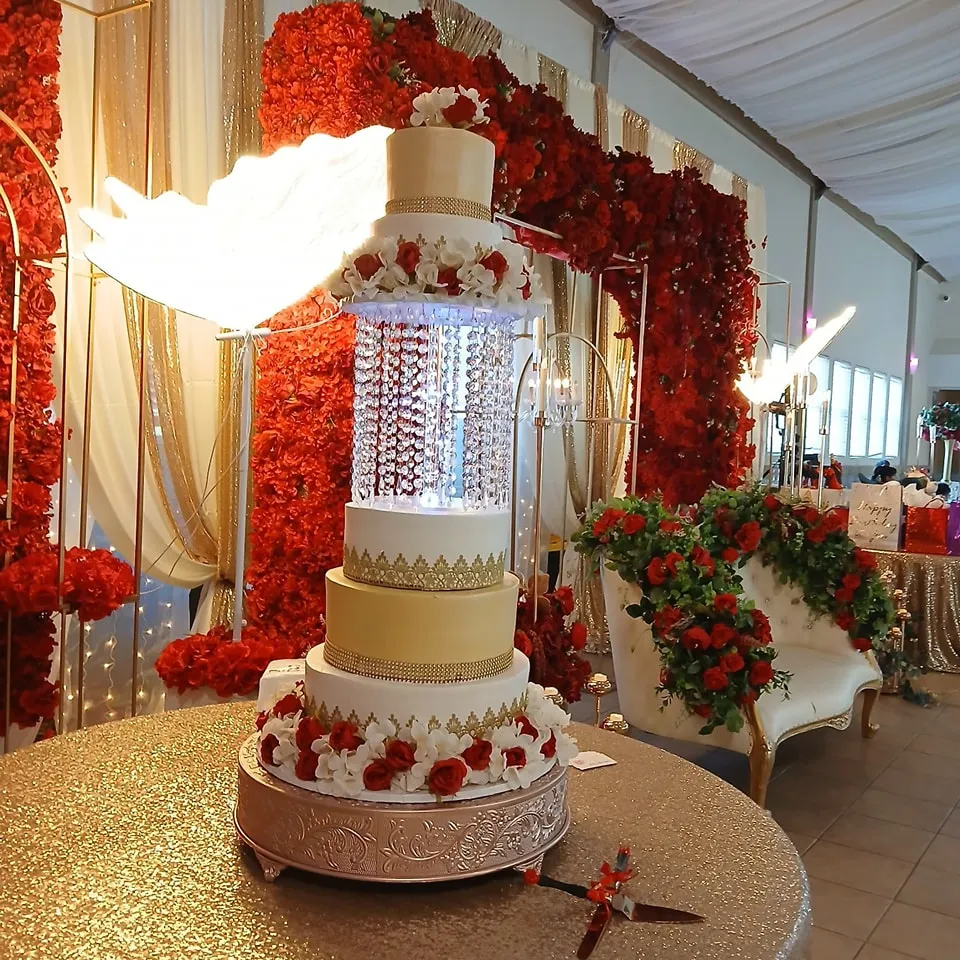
552	645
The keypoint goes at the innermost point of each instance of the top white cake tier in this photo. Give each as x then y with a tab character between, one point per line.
439	170
425	549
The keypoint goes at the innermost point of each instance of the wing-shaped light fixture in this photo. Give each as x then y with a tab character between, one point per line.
776	377
271	231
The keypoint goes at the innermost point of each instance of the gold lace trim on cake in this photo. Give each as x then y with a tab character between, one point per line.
473	725
440	575
449	206
378	669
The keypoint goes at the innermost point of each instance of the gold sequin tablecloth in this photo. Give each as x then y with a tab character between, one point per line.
932	584
117	843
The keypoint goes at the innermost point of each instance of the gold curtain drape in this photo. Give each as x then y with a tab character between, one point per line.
134	47
739	189
686	156
461	29
241	52
636	133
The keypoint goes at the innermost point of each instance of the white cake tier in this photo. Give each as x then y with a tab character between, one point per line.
458	708
439	170
425	549
434	226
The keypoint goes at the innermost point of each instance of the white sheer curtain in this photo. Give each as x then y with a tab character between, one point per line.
196	158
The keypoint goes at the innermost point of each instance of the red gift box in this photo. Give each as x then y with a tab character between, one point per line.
926	530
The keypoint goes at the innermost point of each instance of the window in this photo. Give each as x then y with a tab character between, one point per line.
894	411
840	409
878	416
859	412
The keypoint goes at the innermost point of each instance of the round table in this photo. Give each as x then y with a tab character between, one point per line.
117	843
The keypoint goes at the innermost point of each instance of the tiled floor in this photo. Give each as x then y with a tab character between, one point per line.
877	823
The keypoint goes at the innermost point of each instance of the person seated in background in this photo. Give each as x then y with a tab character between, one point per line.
883	472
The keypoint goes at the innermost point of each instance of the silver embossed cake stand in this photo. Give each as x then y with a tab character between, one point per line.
286	826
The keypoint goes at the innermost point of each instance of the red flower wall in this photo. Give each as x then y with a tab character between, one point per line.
95	582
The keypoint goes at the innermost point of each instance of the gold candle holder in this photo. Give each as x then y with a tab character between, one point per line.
893	683
616	724
555	696
599	685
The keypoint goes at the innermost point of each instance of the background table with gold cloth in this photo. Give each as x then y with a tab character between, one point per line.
118	843
932	584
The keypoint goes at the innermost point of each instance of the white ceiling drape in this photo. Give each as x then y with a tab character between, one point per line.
865	92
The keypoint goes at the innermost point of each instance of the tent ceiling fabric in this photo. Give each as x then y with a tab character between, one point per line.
865	92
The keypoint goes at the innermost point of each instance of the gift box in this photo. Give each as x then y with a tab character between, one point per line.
953	530
875	515
926	530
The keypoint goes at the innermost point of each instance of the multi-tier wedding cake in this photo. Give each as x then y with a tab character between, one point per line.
418	695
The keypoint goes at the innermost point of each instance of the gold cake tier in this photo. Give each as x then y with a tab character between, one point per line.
439	170
417	635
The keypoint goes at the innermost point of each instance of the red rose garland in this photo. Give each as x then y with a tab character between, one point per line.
95	582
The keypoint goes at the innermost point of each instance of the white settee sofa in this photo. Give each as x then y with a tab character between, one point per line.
828	675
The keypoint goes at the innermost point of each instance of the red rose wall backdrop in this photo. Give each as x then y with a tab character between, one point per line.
95	582
338	68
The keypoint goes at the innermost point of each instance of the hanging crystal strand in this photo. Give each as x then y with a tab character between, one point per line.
421	424
486	409
500	437
388	408
433	386
450	366
508	399
365	407
473	422
407	432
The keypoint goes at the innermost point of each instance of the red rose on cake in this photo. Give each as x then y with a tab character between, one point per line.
344	736
477	756
400	755
408	256
378	775
446	777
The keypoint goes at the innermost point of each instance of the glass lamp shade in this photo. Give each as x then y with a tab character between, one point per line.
433	406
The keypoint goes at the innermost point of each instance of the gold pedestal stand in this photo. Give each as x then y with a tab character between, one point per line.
286	826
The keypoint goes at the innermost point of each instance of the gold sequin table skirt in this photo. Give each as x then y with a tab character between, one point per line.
932	585
117	843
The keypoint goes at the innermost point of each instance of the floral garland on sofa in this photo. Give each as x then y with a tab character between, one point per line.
346	761
95	582
714	645
810	550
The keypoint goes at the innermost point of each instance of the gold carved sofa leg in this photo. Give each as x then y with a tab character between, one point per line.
762	757
870	697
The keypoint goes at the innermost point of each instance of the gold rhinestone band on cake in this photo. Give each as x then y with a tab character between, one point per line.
449	206
440	575
378	669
